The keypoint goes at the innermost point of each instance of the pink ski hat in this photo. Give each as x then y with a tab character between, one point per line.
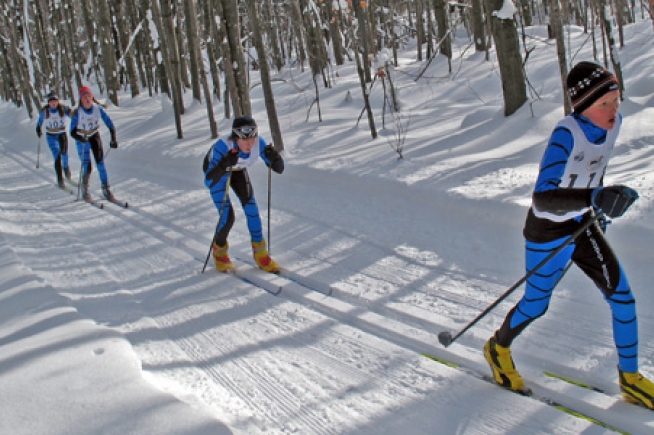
84	90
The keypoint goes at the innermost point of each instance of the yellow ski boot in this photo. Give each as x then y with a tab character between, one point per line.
221	258
501	364
637	389
262	258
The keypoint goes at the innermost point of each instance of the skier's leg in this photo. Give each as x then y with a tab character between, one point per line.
538	288
84	153
534	303
598	261
243	189
53	144
222	202
98	155
63	147
245	193
220	246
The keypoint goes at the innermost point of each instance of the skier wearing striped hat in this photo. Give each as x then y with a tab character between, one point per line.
569	192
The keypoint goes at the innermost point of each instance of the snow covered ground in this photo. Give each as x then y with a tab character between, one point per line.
107	325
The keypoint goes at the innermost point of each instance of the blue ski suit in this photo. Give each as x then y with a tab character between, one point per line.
54	121
84	127
216	179
574	163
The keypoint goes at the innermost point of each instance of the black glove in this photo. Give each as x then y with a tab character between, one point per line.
613	200
271	153
229	159
78	136
275	159
38	131
113	143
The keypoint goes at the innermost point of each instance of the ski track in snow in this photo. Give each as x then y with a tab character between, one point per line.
203	349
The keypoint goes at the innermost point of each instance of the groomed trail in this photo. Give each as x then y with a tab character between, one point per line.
337	346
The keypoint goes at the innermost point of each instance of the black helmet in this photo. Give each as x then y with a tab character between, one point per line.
244	127
52	96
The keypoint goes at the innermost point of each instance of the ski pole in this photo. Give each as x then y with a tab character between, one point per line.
269	195
38	153
220	218
445	337
79	182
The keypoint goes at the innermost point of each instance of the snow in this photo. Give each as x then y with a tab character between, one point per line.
107	325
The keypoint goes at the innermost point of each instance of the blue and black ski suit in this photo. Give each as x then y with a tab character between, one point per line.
54	121
216	178
574	163
84	127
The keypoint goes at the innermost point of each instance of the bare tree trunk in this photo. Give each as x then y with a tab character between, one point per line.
605	20
193	44
196	57
168	67
557	30
364	40
270	29
264	69
231	21
364	88
126	51
478	29
442	20
505	34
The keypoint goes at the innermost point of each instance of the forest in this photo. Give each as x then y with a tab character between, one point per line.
208	48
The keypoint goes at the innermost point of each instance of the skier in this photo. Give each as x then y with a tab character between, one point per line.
53	116
225	165
568	192
84	127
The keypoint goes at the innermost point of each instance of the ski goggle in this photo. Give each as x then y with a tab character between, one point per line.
245	131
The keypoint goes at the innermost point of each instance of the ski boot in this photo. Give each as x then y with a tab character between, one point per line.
262	258
86	196
107	193
501	364
60	183
221	258
69	177
637	389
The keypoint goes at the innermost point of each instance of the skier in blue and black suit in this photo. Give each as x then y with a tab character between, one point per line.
569	191
53	117
84	127
227	162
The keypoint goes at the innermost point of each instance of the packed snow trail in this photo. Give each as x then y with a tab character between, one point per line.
299	362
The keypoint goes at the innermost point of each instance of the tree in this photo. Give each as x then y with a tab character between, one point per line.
264	70
507	45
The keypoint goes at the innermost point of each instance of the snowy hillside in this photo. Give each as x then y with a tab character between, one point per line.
107	325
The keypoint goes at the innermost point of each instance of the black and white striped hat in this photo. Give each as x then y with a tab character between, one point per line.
587	82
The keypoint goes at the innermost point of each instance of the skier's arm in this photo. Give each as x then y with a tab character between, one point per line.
548	195
219	159
39	123
113	143
105	118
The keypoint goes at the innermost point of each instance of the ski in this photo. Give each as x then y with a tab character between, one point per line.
92	202
72	182
65	189
527	392
300	280
574	382
122	204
